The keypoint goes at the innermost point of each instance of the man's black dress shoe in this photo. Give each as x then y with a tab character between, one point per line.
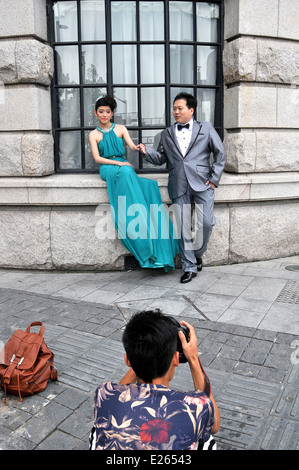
187	277
199	264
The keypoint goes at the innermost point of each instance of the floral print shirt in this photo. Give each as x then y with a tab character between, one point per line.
150	417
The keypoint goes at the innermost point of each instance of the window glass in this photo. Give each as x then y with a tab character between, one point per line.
181	21
131	155
67	65
151	21
124	64
127	106
181	56
153	106
93	27
206	105
69	149
123	21
94	67
207	15
152	60
69	107
206	65
65	21
152	137
90	164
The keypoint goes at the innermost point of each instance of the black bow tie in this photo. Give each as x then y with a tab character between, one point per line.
180	127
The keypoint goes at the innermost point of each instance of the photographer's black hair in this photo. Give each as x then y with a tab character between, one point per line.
190	100
150	341
106	100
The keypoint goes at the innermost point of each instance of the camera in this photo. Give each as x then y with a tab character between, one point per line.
186	332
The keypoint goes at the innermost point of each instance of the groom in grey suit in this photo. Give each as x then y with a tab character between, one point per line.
187	146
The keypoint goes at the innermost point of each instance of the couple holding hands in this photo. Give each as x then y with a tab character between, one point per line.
186	146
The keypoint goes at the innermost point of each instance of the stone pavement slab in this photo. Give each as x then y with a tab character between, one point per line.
247	321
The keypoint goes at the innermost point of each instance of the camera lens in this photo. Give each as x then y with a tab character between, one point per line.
185	330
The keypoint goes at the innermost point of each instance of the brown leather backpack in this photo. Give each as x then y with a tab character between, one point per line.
26	363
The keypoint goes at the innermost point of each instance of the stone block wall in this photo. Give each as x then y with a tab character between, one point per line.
261	74
26	68
56	222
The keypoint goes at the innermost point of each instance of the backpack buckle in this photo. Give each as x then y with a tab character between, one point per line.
20	361
12	358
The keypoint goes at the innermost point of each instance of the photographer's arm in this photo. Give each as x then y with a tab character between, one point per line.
191	354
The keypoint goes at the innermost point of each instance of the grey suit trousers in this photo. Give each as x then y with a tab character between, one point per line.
196	213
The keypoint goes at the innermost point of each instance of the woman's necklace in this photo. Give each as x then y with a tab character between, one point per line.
109	129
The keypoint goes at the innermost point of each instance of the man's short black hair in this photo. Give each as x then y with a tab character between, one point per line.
190	100
150	341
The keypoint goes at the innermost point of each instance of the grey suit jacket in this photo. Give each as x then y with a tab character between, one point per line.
195	167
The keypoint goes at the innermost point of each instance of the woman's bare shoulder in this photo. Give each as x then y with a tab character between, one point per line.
120	129
94	135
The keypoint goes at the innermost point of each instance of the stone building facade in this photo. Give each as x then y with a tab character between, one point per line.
52	221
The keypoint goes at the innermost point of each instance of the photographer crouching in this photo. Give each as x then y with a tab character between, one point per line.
141	412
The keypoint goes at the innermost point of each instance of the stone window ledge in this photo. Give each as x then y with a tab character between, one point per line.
90	190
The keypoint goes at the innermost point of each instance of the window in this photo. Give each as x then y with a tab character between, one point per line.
141	52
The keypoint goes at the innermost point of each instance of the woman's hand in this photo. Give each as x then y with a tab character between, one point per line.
124	164
141	148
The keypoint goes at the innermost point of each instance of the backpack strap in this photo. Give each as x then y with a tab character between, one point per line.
16	360
36	323
54	375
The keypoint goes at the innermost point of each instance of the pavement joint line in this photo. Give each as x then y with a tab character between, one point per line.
194	306
254	371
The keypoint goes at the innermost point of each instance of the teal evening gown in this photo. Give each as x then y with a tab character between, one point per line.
139	215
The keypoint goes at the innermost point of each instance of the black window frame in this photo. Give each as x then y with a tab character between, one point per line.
109	85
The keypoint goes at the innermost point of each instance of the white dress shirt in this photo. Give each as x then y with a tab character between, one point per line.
184	137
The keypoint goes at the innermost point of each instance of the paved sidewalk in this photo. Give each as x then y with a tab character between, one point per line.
246	317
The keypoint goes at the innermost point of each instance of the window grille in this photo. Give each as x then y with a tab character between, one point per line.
141	52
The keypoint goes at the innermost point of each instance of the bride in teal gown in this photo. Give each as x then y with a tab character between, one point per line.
139	215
